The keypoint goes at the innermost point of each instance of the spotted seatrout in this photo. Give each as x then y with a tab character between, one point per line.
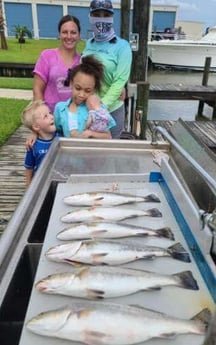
98	252
107	213
113	324
107	199
108	282
111	230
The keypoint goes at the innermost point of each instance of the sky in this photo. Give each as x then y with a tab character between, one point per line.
193	10
203	11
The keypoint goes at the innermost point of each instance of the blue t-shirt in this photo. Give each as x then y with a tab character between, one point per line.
36	154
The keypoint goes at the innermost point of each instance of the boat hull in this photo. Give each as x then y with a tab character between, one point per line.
182	55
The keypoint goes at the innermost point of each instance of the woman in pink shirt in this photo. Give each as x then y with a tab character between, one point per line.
52	68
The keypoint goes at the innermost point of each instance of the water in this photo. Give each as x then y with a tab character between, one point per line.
173	110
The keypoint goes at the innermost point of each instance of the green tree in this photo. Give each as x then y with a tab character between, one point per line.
2	31
21	32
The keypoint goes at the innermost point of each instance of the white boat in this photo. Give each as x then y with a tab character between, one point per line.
184	53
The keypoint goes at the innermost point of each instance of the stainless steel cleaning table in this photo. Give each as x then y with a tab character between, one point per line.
73	166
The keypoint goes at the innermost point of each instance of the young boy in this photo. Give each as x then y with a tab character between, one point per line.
37	117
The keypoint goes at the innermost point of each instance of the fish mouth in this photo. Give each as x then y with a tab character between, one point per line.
39	323
64	250
41	286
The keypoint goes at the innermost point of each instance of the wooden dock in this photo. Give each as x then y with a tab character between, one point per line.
206	94
13	152
12	182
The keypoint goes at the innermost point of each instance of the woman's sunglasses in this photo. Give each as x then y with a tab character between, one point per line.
67	80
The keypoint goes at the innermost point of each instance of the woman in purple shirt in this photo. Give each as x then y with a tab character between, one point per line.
53	65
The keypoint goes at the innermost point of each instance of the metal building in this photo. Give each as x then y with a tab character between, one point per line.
42	16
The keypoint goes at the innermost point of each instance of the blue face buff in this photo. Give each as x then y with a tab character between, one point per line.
102	28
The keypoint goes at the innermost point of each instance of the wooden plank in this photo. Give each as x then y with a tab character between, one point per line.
12	184
205	131
182	92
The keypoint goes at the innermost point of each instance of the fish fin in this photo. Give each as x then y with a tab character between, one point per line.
168	335
83	314
73	262
99	198
98	233
83	272
204	316
151	198
98	219
97	201
137	234
153	212
92	208
139	306
154	288
99	294
94	338
178	252
146	309
165	232
186	280
149	256
97	258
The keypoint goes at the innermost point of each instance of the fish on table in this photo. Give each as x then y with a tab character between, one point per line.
92	214
113	324
111	230
106	252
107	199
100	282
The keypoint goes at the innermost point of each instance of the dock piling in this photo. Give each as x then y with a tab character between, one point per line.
204	83
141	109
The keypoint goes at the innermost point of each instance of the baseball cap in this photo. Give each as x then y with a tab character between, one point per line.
105	5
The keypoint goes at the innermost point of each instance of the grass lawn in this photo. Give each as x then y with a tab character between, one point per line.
29	51
11	109
26	53
10	116
16	83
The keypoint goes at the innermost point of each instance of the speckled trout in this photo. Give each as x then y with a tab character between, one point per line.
108	282
111	230
113	324
107	213
107	199
98	252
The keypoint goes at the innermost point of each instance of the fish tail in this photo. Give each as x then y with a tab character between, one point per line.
165	232
95	294
153	212
152	198
204	317
186	280
178	252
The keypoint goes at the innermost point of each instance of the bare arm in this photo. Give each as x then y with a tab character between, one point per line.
97	135
38	88
30	140
74	133
28	176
